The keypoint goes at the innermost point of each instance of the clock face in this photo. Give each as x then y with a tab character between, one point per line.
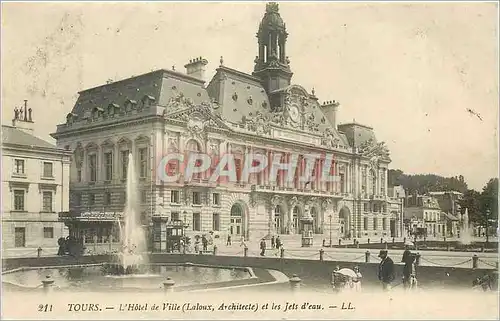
294	113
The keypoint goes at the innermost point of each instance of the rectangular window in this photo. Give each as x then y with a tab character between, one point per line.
108	166
143	162
123	197
342	183
107	198
375	223
78	199
196	222
19	200
365	223
19	166
19	237
47	169
174	197
144	197
48	232
237	163
124	161
366	207
216	222
91	199
47	202
93	167
196	198
384	224
216	199
174	216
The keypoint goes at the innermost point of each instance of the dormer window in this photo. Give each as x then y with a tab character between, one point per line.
97	112
147	101
70	118
130	104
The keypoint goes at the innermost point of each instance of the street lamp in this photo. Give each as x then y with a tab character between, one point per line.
330	217
487	225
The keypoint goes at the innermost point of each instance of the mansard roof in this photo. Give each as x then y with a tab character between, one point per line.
159	86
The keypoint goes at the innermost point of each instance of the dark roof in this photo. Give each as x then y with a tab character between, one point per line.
357	133
160	86
14	136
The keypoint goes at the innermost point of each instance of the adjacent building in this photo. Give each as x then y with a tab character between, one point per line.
35	188
263	112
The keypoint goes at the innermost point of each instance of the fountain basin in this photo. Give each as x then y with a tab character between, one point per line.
107	276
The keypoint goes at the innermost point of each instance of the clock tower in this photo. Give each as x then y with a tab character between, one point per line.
272	66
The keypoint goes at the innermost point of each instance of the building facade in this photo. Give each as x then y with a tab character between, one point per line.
35	188
167	111
424	212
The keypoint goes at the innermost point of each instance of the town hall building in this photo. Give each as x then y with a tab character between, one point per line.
237	112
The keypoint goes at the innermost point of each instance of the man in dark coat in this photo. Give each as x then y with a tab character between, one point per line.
409	267
385	270
262	247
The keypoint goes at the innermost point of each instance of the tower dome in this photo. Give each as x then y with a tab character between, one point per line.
272	19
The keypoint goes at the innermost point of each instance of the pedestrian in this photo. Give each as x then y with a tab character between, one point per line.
228	240
278	242
385	270
357	280
336	280
204	241
262	247
272	242
409	272
197	247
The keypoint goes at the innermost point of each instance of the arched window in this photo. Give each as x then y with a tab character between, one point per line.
236	210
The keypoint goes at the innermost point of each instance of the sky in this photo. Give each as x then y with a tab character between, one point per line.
410	71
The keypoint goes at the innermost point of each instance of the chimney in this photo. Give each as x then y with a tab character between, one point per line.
329	108
196	68
23	118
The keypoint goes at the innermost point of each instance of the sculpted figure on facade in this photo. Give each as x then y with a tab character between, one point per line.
276	200
326	204
329	138
293	201
179	101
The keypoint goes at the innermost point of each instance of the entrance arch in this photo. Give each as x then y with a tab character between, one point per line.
345	222
237	224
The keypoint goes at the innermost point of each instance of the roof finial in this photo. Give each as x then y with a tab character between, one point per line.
313	91
221	61
173	68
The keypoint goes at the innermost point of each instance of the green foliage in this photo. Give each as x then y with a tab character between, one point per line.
424	183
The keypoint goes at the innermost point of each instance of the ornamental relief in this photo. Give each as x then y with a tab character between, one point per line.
258	124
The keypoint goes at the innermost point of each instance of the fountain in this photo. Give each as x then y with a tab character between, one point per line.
465	231
133	240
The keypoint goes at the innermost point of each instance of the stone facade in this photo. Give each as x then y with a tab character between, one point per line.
35	188
166	111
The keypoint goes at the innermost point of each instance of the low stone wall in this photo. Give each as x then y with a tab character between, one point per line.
314	274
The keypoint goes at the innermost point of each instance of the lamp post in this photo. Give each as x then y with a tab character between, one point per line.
487	225
330	217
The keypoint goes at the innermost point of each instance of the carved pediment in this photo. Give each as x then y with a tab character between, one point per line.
179	101
330	139
201	114
374	151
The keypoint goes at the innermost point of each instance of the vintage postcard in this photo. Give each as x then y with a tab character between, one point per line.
249	160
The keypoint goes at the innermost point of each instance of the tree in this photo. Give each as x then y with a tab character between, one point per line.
471	201
424	183
489	200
